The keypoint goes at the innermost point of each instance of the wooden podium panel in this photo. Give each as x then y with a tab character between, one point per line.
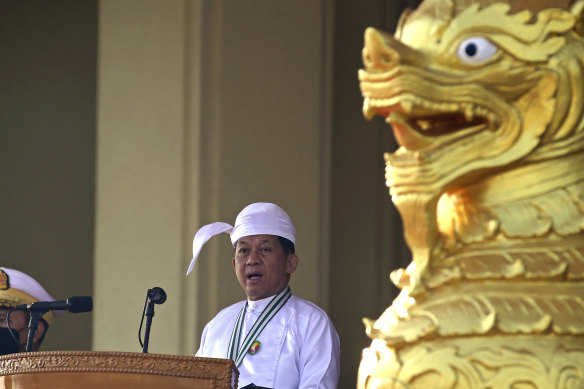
115	370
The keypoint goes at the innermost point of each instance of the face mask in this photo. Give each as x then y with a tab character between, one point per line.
7	343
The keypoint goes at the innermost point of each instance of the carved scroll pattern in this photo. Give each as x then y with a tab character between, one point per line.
555	263
118	362
497	366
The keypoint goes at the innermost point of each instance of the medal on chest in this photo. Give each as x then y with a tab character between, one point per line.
255	347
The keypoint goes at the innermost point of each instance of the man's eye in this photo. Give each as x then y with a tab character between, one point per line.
476	50
242	251
267	249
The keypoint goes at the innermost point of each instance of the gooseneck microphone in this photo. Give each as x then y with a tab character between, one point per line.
156	295
75	304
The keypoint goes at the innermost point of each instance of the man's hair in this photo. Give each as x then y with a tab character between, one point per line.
287	245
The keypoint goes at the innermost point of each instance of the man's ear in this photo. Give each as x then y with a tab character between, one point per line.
291	263
233	262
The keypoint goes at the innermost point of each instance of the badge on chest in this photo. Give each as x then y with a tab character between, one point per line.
255	347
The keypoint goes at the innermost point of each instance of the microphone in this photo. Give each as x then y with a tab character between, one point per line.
157	295
75	304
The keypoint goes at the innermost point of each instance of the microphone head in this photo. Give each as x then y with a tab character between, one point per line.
157	295
80	304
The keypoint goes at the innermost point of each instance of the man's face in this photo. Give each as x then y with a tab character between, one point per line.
261	266
18	324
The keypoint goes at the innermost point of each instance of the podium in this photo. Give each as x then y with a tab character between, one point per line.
114	370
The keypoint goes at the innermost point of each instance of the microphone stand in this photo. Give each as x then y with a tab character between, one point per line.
155	295
33	324
149	316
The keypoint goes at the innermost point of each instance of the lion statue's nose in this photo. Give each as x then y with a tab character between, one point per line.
383	52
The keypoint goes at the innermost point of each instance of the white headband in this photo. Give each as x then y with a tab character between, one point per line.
255	219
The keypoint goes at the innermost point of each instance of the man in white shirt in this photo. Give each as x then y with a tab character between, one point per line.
276	339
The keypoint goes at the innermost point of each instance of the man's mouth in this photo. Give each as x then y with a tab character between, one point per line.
254	276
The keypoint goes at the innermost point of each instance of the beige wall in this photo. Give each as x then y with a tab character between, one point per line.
140	171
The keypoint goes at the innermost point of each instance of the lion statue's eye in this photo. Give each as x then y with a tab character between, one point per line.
476	50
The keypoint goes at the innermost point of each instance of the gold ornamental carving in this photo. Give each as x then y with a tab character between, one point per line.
486	101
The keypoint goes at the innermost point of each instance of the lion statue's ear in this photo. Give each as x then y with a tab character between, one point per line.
578	11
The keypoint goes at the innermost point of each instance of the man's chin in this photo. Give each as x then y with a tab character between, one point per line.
256	293
254	297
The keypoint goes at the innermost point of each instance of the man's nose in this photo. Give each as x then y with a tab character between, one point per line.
253	257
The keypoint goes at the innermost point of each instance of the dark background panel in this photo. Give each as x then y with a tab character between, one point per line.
47	151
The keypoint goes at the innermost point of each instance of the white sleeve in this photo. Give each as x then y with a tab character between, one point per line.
202	344
320	354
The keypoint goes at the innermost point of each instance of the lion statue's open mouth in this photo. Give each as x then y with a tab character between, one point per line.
423	114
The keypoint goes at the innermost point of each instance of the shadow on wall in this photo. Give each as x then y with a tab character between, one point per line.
366	232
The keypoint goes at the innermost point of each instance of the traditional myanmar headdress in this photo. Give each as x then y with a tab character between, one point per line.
255	219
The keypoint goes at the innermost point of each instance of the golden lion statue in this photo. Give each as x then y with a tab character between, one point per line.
486	101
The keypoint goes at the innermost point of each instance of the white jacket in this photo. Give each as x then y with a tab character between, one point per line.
299	348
